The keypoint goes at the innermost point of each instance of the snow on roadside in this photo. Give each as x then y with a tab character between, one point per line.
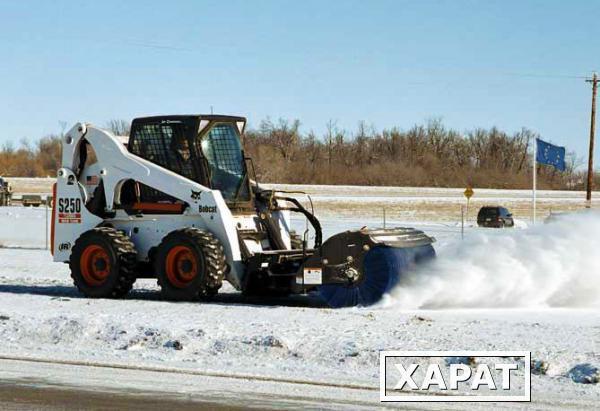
403	203
44	185
41	314
24	226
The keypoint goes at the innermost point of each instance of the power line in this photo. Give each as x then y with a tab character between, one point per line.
557	76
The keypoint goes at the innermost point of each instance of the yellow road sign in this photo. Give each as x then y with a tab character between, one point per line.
469	193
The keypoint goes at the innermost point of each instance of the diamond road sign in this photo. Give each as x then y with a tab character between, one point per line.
469	192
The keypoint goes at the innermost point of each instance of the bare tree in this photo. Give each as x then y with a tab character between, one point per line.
118	127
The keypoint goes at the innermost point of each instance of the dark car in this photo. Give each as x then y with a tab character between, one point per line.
495	217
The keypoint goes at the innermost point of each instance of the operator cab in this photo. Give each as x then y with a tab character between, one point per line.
204	148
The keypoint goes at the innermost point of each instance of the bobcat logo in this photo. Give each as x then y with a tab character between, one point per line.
207	209
196	195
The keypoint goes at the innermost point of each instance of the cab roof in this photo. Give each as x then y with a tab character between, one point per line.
188	117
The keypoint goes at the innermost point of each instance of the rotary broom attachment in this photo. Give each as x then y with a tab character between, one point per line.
359	267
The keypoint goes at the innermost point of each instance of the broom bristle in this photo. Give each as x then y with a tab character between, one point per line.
383	268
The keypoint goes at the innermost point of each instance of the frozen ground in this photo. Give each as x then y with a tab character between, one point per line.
413	204
28	185
25	226
42	316
534	289
429	204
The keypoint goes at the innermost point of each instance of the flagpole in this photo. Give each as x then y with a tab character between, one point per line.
534	176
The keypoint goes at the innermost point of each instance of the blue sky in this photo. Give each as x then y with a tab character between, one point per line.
390	63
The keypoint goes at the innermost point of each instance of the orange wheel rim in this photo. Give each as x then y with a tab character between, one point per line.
181	266
95	265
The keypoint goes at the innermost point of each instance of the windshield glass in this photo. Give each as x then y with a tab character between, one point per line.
222	148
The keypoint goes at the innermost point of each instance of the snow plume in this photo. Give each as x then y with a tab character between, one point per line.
550	265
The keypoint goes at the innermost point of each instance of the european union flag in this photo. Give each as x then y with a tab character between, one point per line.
550	154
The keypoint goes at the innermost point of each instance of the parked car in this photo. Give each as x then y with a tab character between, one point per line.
495	217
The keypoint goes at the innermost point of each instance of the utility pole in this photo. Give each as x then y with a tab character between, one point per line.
590	176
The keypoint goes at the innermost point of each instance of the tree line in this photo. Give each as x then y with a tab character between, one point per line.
424	155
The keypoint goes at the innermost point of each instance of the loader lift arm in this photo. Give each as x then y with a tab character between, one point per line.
309	216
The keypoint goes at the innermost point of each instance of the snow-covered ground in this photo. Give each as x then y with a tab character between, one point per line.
429	203
30	185
535	289
25	226
413	204
42	316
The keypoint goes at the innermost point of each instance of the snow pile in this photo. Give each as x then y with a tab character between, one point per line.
549	265
24	226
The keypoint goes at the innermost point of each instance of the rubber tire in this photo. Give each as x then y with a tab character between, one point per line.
122	254
211	264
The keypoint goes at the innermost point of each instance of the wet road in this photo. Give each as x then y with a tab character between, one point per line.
34	397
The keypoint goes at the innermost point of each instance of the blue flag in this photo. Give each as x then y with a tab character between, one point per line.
550	154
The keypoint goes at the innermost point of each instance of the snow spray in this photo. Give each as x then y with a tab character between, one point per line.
550	265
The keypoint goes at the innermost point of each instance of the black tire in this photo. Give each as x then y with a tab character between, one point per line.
103	263
296	241
190	264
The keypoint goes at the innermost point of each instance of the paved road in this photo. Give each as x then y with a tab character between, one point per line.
33	396
52	386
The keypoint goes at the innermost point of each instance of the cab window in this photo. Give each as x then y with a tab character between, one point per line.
223	151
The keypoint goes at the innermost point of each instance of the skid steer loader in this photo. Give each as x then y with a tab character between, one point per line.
176	202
